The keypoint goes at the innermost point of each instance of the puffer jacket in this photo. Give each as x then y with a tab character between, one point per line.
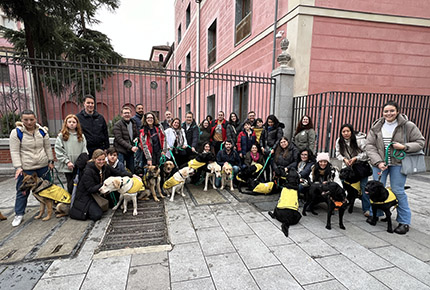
95	129
192	134
33	151
233	130
289	162
361	142
305	138
232	158
271	139
375	145
122	141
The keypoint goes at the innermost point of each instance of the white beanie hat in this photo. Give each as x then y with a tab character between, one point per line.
323	156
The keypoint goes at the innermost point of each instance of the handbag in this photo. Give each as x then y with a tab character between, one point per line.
413	162
362	169
101	201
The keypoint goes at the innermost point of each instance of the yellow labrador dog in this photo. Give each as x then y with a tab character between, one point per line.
227	176
127	187
215	172
177	181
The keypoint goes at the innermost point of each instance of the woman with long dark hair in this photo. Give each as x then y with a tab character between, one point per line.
204	134
393	132
269	139
350	149
305	136
285	155
233	127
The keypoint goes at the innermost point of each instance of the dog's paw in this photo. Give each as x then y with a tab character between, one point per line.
328	227
46	218
231	189
350	209
37	217
342	226
304	213
135	212
115	207
205	189
171	200
222	187
390	230
272	215
156	199
124	211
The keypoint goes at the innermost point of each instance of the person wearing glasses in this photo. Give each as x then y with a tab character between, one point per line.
152	140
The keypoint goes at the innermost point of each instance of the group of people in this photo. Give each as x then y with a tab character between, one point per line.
142	140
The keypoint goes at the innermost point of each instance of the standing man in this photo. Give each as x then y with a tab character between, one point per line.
167	121
94	126
218	131
191	133
125	133
251	118
139	115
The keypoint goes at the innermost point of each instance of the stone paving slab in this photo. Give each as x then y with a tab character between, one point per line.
406	262
154	277
149	259
109	273
269	234
214	241
200	197
312	244
249	213
302	266
187	262
6	227
275	277
23	276
71	282
349	274
180	227
397	279
203	218
67	267
196	284
234	225
229	273
223	210
332	285
364	238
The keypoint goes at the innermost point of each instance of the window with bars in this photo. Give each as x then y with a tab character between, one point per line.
188	68
4	73
212	43
179	33
242	20
188	16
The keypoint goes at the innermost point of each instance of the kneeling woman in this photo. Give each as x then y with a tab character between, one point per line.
96	172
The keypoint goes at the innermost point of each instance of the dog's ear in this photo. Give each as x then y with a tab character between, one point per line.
116	183
34	175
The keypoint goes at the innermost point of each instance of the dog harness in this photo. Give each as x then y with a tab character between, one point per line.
194	164
356	186
264	188
53	192
391	197
288	199
338	204
169	183
137	185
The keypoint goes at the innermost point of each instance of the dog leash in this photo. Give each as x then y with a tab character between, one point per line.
397	153
265	164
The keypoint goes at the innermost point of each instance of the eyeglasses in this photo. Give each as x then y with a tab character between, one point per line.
149	117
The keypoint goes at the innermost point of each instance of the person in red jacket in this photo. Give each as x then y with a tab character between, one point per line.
152	140
245	139
218	131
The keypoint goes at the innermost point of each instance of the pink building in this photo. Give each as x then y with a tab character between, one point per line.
335	45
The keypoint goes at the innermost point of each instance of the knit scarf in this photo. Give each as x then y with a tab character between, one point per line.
179	138
255	157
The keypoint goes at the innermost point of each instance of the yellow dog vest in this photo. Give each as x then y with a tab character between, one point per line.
137	185
391	197
264	188
288	199
56	193
170	183
194	164
356	186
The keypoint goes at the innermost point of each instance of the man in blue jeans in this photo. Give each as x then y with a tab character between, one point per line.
228	155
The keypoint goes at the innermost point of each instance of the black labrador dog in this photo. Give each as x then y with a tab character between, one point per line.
286	210
332	194
383	199
349	177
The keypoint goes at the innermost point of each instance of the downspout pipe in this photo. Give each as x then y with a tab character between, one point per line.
275	24
197	79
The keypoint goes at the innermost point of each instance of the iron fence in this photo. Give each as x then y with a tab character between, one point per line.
329	110
54	88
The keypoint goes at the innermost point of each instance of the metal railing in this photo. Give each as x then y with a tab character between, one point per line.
54	88
329	110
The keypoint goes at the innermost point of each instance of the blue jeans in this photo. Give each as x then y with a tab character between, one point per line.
235	171
365	199
21	199
397	182
129	160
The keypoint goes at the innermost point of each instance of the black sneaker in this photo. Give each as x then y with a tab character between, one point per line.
401	229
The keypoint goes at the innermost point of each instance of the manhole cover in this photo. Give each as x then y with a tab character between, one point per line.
148	228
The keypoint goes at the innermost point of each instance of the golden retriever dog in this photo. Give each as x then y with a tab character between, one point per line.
2	217
227	176
46	193
214	172
151	181
127	187
177	181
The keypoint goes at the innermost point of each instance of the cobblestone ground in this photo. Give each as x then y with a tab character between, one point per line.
219	240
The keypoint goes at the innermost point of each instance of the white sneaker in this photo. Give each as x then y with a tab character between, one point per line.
17	220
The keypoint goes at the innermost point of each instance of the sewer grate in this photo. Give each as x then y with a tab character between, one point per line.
148	228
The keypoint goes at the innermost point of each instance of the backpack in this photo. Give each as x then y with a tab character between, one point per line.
20	134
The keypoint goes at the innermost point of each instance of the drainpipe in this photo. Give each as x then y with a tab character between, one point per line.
197	80
275	22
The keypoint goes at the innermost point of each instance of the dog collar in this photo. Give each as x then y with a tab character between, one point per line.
338	204
122	182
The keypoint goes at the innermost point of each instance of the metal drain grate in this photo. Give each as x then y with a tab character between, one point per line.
148	228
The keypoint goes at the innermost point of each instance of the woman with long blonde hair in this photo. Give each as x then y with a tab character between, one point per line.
69	145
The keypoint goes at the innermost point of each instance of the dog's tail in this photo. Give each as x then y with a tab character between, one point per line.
285	228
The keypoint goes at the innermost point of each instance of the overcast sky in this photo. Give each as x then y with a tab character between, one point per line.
137	25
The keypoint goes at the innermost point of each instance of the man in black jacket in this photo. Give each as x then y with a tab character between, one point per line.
125	135
191	133
139	115
93	126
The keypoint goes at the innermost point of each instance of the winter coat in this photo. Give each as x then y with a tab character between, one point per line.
146	141
233	130
306	171
95	130
118	165
331	174
361	142
271	139
90	183
165	124
305	139
171	138
375	145
244	143
122	141
204	136
223	128
68	151
138	119
232	158
192	134
33	151
248	160
289	162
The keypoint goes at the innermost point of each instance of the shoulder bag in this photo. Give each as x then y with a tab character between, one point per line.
413	162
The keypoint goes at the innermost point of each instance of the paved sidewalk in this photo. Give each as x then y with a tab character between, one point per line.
235	246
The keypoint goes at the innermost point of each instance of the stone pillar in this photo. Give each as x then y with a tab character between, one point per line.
282	101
